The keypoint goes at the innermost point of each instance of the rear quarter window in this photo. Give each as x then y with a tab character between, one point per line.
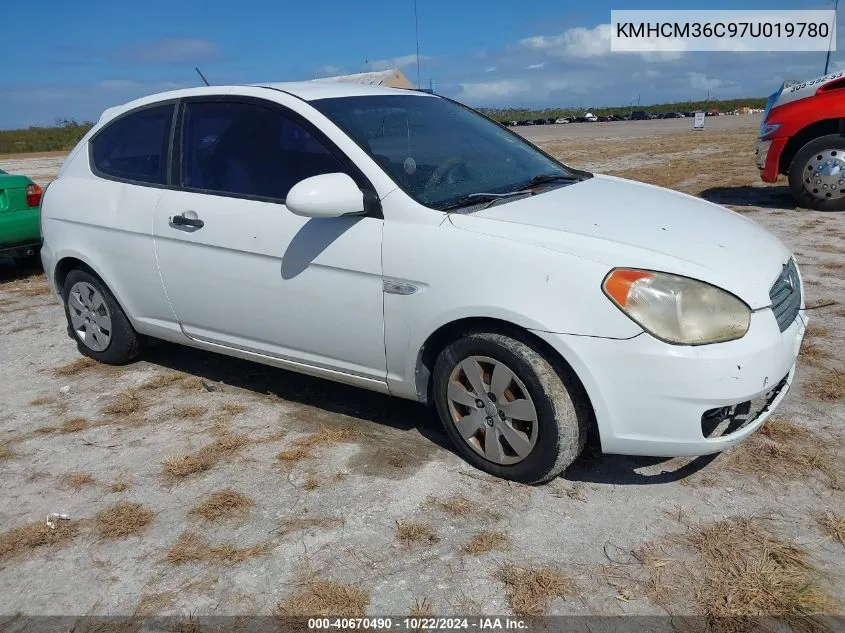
134	147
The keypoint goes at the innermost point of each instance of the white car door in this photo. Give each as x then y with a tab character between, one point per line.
242	271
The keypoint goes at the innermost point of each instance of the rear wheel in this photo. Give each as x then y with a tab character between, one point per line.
97	322
31	260
507	409
817	174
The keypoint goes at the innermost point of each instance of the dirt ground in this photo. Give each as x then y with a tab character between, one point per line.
196	484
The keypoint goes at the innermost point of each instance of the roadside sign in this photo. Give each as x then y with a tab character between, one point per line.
699	121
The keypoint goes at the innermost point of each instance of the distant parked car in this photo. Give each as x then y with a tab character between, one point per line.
20	208
562	120
511	123
525	122
639	115
539	121
590	117
673	115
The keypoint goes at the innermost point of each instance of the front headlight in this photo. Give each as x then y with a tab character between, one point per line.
677	309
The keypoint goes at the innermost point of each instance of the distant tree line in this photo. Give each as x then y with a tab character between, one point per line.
67	132
61	137
516	114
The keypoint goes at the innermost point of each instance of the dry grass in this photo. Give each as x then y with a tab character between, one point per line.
75	367
122	520
234	408
745	572
817	330
191	411
24	540
833	526
785	451
77	481
42	401
421	609
812	354
312	483
327	598
160	381
225	504
293	455
74	425
300	524
126	403
192	548
529	590
29	290
460	507
181	466
409	533
828	387
119	486
303	447
6	450
455	506
152	604
484	542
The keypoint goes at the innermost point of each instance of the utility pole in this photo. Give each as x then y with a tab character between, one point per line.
417	31
832	29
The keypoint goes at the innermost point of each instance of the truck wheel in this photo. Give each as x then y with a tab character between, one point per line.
97	322
817	174
506	408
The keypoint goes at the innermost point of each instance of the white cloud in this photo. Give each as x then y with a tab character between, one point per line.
700	81
535	66
574	42
394	62
490	69
493	89
328	70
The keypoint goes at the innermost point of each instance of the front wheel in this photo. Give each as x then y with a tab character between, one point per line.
507	409
817	174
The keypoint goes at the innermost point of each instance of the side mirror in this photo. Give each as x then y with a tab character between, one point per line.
325	196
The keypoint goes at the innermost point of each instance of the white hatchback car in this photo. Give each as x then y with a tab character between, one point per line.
401	242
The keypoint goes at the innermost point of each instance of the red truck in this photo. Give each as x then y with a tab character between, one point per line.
803	137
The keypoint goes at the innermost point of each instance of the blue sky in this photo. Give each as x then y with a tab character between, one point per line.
73	59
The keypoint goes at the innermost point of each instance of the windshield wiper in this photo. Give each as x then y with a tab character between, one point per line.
518	190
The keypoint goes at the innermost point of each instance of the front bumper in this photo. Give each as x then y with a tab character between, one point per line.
652	398
767	154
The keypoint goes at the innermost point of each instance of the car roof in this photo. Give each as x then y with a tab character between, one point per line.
305	90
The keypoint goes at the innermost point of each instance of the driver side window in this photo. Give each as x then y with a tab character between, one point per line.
246	150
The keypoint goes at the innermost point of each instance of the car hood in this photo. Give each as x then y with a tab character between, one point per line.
622	223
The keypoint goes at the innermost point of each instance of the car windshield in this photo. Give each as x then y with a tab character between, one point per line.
440	153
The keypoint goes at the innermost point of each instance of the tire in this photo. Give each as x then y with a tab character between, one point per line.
29	261
802	169
116	344
555	437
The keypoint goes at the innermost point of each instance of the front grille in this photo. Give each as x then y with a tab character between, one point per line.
786	296
724	421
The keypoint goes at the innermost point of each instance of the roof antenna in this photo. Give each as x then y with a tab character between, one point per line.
202	76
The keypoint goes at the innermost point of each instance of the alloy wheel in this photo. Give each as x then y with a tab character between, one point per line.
492	410
824	174
89	316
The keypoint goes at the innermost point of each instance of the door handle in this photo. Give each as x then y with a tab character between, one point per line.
185	222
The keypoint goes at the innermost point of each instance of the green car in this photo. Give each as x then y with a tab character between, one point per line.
20	208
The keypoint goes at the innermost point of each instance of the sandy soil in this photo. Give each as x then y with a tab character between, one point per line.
354	502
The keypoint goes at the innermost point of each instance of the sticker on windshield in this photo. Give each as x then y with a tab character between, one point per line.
410	166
